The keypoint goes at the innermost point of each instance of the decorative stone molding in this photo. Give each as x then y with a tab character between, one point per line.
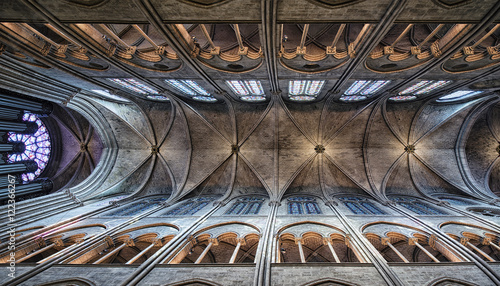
464	240
319	149
410	149
385	240
274	203
412	240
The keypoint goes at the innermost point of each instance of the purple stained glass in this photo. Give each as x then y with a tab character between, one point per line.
37	147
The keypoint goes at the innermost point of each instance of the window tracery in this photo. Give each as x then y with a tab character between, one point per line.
303	205
38	147
366	87
137	208
246	206
133	85
359	205
417	207
425	86
189	207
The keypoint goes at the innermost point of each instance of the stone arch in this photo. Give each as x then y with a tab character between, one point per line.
329	282
194	282
480	240
70	281
403	243
314	242
448	281
229	242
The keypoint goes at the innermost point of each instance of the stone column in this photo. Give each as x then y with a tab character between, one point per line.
387	241
111	253
211	242
328	241
156	242
236	249
414	241
367	249
298	241
264	251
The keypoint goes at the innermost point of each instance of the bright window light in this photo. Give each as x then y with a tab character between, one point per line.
302	98
374	87
305	87
352	98
314	87
296	87
356	87
204	98
253	98
425	86
196	87
254	86
133	85
158	97
458	95
366	87
403	98
415	87
245	88
106	93
433	86
180	86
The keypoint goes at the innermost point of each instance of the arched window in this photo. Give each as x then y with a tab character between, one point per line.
360	205
303	205
246	206
136	208
189	207
417	207
37	147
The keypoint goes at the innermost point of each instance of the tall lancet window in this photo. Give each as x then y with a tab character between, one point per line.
303	205
246	206
189	207
136	208
359	205
417	206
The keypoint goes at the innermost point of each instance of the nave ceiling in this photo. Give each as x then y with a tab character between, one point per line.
180	147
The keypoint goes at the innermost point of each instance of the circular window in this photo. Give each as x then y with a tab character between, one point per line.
37	147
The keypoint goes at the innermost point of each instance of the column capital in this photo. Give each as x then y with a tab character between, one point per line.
299	240
412	240
274	203
327	240
214	241
385	240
